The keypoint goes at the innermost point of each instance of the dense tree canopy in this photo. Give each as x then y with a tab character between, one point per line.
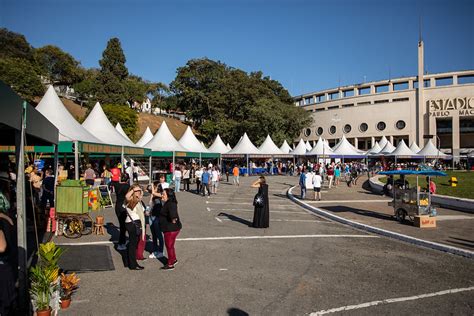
58	66
21	75
227	101
113	72
14	45
122	114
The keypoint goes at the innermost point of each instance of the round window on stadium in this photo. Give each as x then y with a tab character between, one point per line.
307	132
381	126
400	124
319	131
347	128
363	127
332	130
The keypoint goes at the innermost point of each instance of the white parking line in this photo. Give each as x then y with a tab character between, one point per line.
208	209
452	217
248	210
348	201
391	300
285	220
275	237
218	219
249	203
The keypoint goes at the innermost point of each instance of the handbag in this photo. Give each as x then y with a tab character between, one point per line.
137	223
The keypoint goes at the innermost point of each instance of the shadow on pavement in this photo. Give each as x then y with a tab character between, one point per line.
461	241
235	218
341	209
113	231
236	312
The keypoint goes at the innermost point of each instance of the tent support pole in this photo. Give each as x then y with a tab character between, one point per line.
150	173
174	162
248	167
56	170
21	216
76	160
200	159
122	159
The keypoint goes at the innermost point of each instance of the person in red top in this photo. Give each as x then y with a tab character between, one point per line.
116	174
330	174
431	185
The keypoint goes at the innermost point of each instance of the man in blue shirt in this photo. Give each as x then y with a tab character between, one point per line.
205	182
303	183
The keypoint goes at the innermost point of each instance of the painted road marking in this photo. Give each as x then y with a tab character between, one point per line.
347	201
275	237
222	269
218	219
248	203
248	210
391	300
208	209
452	217
283	220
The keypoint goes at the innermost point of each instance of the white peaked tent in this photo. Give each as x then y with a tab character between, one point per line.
268	147
430	151
387	149
383	141
375	150
285	148
228	147
204	146
402	150
308	145
244	147
191	143
218	146
69	129
98	124
414	147
320	149
164	141
346	149
119	128
300	149
146	137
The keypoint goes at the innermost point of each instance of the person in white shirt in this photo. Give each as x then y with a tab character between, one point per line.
317	181
197	176
135	172
129	171
214	180
186	175
177	178
309	181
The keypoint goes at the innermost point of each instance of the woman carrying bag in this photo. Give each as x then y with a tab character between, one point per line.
135	225
170	225
261	214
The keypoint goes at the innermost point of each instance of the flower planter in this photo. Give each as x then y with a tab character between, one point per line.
46	312
65	302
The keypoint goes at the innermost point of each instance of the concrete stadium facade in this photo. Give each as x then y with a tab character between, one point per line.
400	108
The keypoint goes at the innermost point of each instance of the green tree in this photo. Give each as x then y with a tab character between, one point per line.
87	88
21	75
136	89
58	66
113	72
14	45
127	117
227	101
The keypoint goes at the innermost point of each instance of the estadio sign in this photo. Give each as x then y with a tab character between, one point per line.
445	107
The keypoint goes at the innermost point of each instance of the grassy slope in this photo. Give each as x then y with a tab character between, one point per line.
464	189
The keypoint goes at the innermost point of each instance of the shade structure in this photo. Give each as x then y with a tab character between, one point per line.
146	137
430	151
69	129
119	129
191	143
414	147
387	149
99	125
218	146
244	147
320	149
403	151
383	141
228	147
346	149
375	150
268	147
300	149
285	148
164	141
308	145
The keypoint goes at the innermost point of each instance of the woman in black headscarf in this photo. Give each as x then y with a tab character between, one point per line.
261	213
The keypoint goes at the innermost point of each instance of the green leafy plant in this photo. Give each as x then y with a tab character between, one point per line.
41	286
49	254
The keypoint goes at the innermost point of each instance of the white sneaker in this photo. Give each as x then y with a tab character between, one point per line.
121	247
152	255
156	255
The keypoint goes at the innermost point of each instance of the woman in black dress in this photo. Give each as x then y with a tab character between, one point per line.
261	213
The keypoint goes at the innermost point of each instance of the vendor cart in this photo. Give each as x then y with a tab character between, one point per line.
73	209
411	202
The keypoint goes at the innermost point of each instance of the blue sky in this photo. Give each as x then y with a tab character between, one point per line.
306	45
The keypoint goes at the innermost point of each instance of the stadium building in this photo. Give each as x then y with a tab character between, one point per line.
441	108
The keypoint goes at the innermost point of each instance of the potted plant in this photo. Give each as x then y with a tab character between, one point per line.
42	287
69	284
49	254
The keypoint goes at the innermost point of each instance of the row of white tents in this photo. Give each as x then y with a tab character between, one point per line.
97	129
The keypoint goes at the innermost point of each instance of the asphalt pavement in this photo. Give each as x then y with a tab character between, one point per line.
302	264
